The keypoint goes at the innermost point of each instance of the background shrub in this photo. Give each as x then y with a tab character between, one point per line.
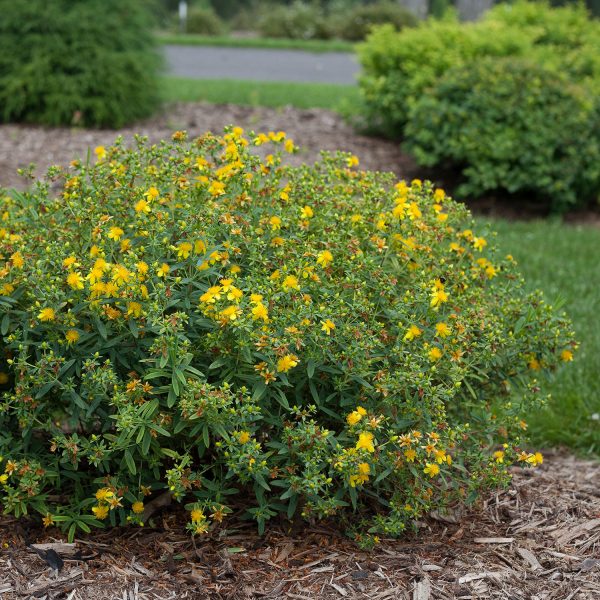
192	319
204	21
299	20
358	22
510	126
88	62
404	69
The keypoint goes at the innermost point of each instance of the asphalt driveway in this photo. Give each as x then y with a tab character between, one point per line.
258	64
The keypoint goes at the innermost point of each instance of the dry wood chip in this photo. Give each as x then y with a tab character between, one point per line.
339	589
483	575
61	548
422	590
530	558
326	569
431	568
562	555
284	552
494	540
48	585
564	536
320	560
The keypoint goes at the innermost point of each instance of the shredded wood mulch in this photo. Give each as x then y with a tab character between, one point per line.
537	540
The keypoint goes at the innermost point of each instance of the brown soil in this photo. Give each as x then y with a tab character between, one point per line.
313	130
540	539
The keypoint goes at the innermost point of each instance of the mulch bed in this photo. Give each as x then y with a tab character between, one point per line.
537	540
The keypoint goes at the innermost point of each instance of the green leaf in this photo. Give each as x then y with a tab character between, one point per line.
5	325
130	462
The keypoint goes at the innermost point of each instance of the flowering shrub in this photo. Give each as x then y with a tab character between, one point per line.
199	319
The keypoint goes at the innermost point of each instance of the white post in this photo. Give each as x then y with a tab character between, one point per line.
183	10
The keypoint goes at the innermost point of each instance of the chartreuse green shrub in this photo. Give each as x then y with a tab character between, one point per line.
512	126
192	319
83	62
399	67
407	73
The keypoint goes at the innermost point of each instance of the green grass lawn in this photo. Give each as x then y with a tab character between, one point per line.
564	261
259	93
276	43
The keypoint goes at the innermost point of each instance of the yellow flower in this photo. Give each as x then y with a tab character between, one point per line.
364	469
75	281
306	212
354	417
443	330
47	314
410	454
365	441
48	520
3	479
566	356
275	223
100	511
327	326
152	193
479	243
100	152
211	295
17	260
290	283
325	258
197	515
104	494
184	250
142	206
69	262
431	469
199	247
134	309
163	270
412	333
72	335
137	507
230	313
499	456
243	437
121	274
216	188
438	297
235	294
535	459
413	211
287	362
352	161
260	312
115	233
435	354
142	268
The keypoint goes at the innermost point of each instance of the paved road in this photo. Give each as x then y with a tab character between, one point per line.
206	62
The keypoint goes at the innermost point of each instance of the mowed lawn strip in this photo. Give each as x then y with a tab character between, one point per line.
259	93
318	46
564	261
